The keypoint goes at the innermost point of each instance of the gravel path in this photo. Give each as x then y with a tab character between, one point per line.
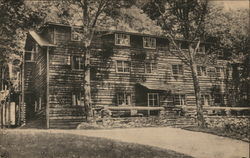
196	144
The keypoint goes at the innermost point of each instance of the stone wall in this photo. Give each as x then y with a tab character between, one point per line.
238	126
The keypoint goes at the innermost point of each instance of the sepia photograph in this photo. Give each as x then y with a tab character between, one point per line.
124	78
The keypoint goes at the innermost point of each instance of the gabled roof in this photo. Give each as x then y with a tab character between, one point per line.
40	40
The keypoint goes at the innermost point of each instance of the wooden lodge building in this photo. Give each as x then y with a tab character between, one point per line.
126	69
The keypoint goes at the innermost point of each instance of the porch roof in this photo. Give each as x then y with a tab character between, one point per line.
40	40
159	87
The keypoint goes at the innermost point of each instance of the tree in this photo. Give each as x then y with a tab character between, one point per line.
183	19
15	19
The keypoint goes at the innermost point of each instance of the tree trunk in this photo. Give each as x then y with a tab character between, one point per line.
87	93
199	108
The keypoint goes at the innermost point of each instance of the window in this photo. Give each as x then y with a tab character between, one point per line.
77	62
219	72
75	35
123	66
29	56
149	42
201	71
205	100
76	99
153	99
122	39
124	98
150	67
177	70
179	99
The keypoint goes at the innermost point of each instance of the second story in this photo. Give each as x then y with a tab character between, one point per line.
126	56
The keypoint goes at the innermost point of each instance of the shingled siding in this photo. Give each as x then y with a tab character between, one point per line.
63	82
105	81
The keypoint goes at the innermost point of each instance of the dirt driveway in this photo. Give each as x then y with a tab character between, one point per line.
196	144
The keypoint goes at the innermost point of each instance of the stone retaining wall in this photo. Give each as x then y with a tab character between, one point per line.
234	125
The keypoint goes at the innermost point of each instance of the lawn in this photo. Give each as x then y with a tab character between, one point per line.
47	145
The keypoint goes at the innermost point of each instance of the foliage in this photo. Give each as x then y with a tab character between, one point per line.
15	17
231	30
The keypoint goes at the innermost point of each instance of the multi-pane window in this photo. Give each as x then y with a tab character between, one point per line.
77	62
75	35
76	99
179	99
177	69
122	39
150	67
153	99
122	66
205	100
201	71
149	42
123	98
219	72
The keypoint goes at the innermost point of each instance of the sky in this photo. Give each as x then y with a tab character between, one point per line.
233	4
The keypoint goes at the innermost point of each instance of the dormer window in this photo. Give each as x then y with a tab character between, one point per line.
149	42
122	39
75	35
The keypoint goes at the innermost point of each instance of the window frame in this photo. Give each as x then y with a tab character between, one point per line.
123	66
201	70
153	99
220	73
76	99
124	98
74	32
80	64
178	70
203	98
182	99
151	41
152	65
122	39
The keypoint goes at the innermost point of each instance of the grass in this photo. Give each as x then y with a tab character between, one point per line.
47	145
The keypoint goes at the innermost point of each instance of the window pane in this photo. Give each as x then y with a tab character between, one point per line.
175	69
148	67
126	66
